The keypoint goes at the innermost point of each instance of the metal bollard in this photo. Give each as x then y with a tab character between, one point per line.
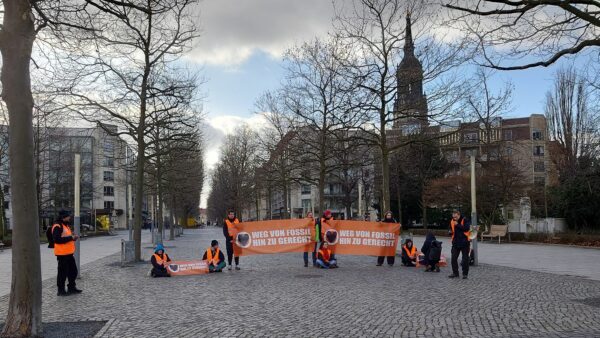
127	252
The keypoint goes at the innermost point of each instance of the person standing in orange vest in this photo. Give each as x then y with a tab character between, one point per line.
64	248
389	218
214	257
159	261
230	231
313	229
460	230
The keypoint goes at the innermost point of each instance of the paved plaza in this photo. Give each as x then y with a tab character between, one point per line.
274	295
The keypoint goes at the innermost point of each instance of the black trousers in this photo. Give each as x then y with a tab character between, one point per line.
464	251
67	269
229	247
390	259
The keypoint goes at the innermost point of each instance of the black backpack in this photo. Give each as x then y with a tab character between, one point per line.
49	237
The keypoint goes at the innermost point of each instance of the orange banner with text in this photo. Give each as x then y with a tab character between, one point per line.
276	236
361	237
184	268
296	235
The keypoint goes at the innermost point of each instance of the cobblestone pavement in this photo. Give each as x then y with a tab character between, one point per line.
275	296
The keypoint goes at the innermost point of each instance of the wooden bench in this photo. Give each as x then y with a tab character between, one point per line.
496	231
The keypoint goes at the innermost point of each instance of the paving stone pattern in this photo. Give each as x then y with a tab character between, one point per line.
275	296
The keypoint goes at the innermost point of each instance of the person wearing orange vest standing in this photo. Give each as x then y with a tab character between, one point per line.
313	229
64	248
214	257
460	232
389	218
409	254
159	261
230	231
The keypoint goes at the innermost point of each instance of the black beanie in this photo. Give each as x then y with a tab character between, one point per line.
214	242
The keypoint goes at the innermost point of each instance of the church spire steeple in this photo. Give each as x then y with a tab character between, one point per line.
409	47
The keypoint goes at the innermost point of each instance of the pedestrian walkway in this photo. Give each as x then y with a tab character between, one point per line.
92	248
276	296
557	259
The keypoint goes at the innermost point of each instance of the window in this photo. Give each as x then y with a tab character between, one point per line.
508	135
305	189
6	205
306	204
539	167
109	205
471	137
508	151
539	180
6	189
537	135
538	151
109	191
108	162
109	176
109	147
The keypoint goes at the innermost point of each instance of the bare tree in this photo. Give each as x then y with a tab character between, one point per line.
132	63
322	103
572	120
231	181
506	31
17	34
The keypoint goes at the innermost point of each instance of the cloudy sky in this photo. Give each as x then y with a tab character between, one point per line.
240	54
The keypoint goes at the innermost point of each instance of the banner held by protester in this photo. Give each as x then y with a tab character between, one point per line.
295	235
184	268
276	236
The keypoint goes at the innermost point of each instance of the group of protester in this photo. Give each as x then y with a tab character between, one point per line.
323	257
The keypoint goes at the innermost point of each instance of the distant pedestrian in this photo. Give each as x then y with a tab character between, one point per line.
159	261
389	218
460	232
64	250
313	229
214	257
229	231
409	254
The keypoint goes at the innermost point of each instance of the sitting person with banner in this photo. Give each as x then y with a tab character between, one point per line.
325	258
409	254
214	257
159	262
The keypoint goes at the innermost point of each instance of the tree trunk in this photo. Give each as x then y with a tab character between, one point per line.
139	195
385	162
399	196
172	227
24	316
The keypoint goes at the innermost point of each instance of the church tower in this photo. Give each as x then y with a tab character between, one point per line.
410	107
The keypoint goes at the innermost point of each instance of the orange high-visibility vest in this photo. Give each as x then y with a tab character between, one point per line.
462	222
231	229
325	253
410	252
64	248
209	257
161	260
313	225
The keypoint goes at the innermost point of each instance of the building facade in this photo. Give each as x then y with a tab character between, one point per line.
105	160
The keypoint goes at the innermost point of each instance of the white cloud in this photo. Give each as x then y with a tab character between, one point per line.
233	30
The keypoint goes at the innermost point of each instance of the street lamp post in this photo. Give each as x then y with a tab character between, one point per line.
474	210
76	216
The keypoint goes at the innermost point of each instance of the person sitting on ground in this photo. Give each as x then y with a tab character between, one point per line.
325	258
214	257
426	250
409	254
160	260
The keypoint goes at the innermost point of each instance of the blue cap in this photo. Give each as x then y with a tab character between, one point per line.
159	247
